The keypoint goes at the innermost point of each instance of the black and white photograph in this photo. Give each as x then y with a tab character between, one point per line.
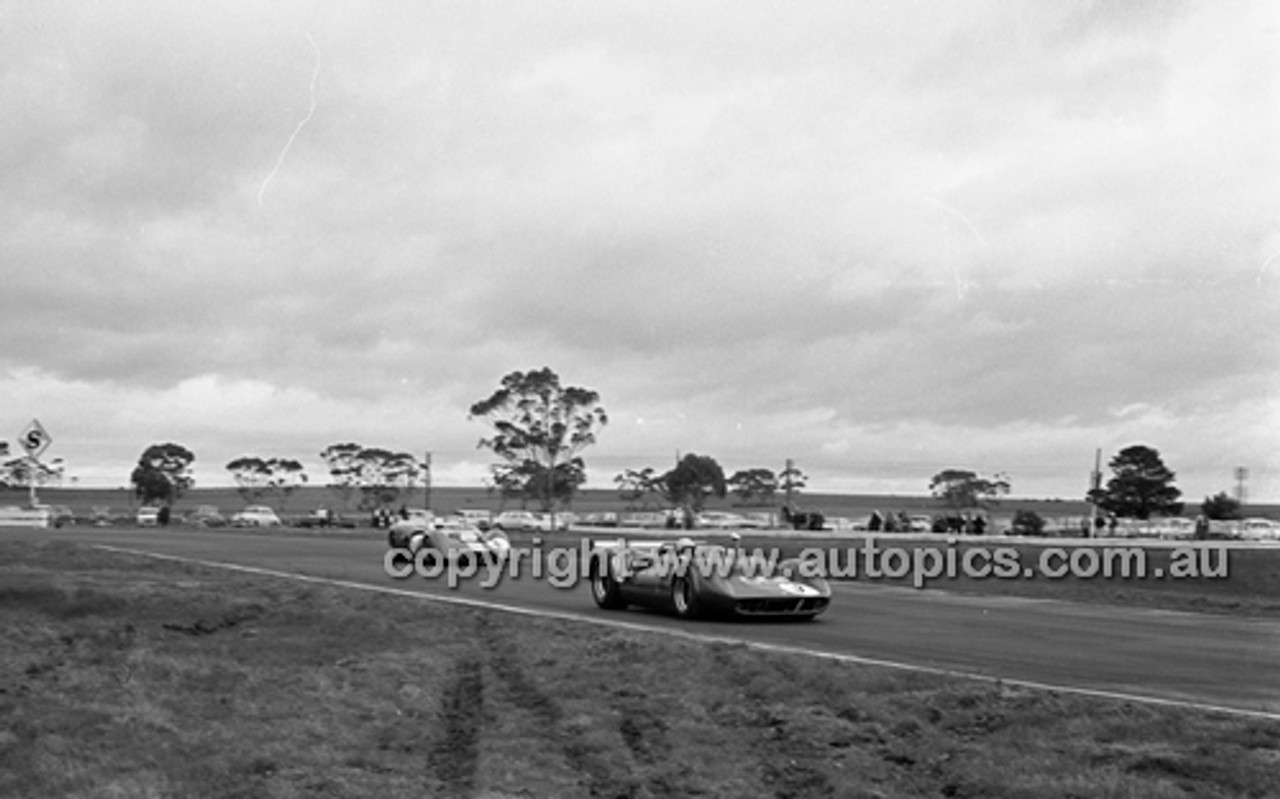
628	399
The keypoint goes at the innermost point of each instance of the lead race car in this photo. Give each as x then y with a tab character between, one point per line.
696	579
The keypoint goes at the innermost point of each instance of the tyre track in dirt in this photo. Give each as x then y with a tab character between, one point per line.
647	734
788	767
601	774
455	756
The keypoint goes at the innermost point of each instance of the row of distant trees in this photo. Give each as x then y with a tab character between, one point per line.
374	476
697	477
19	472
539	429
1140	486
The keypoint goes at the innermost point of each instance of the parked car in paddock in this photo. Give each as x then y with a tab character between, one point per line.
751	521
517	520
694	579
206	516
59	515
148	516
718	520
479	519
724	520
654	519
1176	529
1259	529
563	520
256	516
320	517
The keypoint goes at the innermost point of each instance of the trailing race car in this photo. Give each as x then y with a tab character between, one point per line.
448	539
411	521
701	579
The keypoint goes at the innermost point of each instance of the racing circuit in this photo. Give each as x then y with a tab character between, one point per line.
1166	657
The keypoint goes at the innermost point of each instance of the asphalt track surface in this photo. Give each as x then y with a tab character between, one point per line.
1143	654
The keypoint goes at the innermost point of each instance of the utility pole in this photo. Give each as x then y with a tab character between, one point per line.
1242	474
33	467
426	467
786	475
1096	480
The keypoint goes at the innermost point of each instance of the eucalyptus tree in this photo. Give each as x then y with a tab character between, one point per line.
539	428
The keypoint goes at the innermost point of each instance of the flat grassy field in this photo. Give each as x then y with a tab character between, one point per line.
130	677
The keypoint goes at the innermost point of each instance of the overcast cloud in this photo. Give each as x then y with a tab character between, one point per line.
882	239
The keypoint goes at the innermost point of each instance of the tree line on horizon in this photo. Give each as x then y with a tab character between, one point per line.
539	429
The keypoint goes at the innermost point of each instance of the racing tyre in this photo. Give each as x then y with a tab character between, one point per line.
604	589
430	559
684	596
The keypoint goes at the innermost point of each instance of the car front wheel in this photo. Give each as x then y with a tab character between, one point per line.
684	597
430	559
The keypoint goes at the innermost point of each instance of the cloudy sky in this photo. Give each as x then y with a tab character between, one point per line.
880	238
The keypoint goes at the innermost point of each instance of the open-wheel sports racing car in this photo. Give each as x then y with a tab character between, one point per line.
447	539
696	579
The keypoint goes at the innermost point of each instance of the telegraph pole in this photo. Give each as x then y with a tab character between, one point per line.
1242	474
1096	480
426	467
789	483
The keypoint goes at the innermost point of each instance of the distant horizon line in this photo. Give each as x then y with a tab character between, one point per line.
804	493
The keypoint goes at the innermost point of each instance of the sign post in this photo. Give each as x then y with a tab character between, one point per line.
35	440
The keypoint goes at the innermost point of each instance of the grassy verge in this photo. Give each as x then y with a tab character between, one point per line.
123	676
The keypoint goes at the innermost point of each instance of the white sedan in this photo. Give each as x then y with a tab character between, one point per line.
720	520
256	516
1258	529
521	520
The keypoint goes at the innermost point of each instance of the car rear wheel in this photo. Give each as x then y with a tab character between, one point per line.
604	589
684	597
